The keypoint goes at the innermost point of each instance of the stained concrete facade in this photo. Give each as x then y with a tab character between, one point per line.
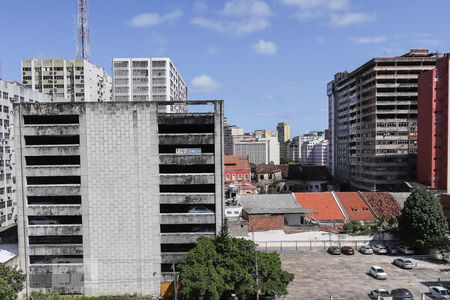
110	195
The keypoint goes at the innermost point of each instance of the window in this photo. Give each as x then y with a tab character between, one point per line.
246	176
240	176
234	176
227	176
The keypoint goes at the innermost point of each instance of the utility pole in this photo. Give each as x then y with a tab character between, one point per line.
83	38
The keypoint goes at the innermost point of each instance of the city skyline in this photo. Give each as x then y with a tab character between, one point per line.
224	49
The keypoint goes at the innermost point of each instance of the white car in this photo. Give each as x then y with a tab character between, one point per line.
405	250
378	272
379	249
366	250
381	294
404	263
438	292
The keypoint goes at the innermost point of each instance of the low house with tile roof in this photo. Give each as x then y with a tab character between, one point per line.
382	203
267	176
304	178
336	207
272	211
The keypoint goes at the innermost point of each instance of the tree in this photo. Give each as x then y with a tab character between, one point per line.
226	265
11	282
422	223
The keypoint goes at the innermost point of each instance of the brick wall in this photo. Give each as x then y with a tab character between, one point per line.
265	222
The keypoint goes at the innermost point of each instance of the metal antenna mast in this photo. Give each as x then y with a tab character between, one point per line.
83	49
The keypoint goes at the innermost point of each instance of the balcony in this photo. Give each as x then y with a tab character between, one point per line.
55	250
54	190
186	198
37	150
186	159
40	230
186	139
184	237
188	218
54	210
53	129
56	170
172	257
195	178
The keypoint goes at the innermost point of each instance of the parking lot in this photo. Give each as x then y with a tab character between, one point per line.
319	275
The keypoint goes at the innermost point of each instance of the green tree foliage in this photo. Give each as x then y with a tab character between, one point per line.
422	223
11	282
226	265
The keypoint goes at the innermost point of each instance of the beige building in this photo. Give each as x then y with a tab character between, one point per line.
284	132
67	80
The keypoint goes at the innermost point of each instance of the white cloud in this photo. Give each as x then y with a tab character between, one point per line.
238	18
351	18
370	39
153	19
204	83
265	47
338	11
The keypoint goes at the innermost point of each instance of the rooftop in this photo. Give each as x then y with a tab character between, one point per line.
236	162
355	206
271	204
323	204
382	203
308	173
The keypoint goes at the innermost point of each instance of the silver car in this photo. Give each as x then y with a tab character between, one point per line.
379	249
404	263
366	250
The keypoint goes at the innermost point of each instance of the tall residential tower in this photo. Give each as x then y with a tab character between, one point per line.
67	80
373	121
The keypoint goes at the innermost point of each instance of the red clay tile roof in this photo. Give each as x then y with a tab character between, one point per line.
383	204
354	205
233	162
324	205
267	169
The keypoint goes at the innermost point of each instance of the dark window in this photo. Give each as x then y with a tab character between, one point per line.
52	140
51	200
53	180
52	160
55	239
191	188
48	119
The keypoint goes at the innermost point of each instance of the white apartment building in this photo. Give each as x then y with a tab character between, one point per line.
11	92
67	80
315	152
259	151
148	79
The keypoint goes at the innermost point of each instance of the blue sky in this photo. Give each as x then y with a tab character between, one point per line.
269	60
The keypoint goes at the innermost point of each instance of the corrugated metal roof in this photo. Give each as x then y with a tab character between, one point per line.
271	204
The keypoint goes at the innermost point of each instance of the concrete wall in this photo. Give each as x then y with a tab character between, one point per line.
119	159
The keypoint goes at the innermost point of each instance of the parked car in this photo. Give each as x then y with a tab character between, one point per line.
404	263
366	250
200	210
381	294
405	250
42	221
401	294
347	250
378	272
334	250
392	249
379	249
439	292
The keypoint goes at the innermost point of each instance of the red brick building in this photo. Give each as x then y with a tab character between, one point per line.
432	148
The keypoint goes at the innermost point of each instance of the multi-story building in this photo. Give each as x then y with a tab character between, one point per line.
374	121
67	80
11	92
259	151
433	124
293	147
149	79
231	134
315	152
111	195
284	132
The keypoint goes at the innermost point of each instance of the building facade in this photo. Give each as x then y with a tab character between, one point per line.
67	80
111	195
11	92
374	121
231	134
148	79
315	152
259	151
433	123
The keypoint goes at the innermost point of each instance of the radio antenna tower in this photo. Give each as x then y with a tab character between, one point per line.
83	49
